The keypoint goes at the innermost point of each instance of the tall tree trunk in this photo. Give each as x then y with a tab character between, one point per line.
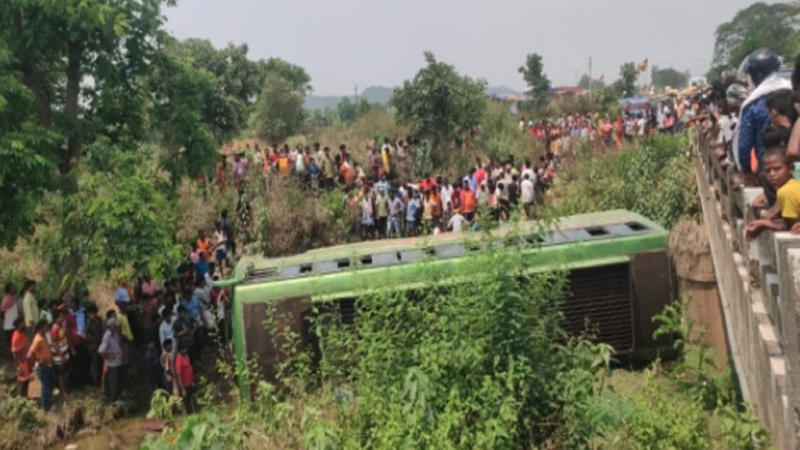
31	79
74	75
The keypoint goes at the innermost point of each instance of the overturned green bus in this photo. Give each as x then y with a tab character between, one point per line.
619	277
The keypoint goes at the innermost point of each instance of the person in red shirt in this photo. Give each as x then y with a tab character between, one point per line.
19	349
455	198
185	375
480	174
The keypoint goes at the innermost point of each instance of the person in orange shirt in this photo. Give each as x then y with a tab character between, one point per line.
203	243
436	200
468	201
19	348
346	170
284	165
39	353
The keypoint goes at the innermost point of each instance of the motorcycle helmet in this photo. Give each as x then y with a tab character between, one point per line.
758	65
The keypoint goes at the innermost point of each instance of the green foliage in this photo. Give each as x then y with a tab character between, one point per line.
294	74
587	82
163	405
500	136
347	109
440	105
278	111
661	420
626	85
710	389
741	428
237	81
203	431
538	83
668	77
113	222
775	26
480	364
55	46
26	149
651	177
182	93
323	118
21	411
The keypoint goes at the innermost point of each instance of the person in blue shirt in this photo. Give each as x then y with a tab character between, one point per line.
192	306
761	66
121	294
412	210
201	266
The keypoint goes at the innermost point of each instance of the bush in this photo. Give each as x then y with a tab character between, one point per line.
652	177
291	219
480	364
500	135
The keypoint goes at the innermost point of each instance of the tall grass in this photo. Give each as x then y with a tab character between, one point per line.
652	177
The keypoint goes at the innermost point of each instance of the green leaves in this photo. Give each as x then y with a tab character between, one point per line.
652	177
775	26
118	220
538	83
440	105
278	112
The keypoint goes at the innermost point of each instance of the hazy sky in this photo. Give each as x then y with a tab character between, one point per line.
342	43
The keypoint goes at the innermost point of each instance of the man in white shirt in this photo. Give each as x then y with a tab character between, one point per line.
165	329
526	194
456	223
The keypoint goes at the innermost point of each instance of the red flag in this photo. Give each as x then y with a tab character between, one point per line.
602	77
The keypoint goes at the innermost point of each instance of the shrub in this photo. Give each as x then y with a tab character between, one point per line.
290	219
500	136
652	177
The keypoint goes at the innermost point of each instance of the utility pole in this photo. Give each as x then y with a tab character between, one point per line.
591	79
355	93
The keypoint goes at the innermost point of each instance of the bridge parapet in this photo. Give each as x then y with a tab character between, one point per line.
759	286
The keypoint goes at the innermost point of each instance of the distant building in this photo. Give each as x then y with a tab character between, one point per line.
511	100
566	93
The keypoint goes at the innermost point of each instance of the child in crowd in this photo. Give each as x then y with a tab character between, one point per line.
185	376
778	171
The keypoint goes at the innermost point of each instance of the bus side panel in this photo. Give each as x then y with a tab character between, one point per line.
653	289
266	337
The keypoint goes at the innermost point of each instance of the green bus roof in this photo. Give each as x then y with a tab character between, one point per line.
381	253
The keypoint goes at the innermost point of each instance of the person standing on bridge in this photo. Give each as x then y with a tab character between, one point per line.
779	172
761	67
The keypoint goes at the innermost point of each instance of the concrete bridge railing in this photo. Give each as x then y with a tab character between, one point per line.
759	287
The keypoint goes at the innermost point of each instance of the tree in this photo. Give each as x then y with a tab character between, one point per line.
775	26
117	221
182	95
347	109
538	84
278	111
28	162
56	47
587	82
668	77
237	81
440	105
626	85
294	74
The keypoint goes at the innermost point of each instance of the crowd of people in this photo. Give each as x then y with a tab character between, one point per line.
750	120
156	331
382	199
160	330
